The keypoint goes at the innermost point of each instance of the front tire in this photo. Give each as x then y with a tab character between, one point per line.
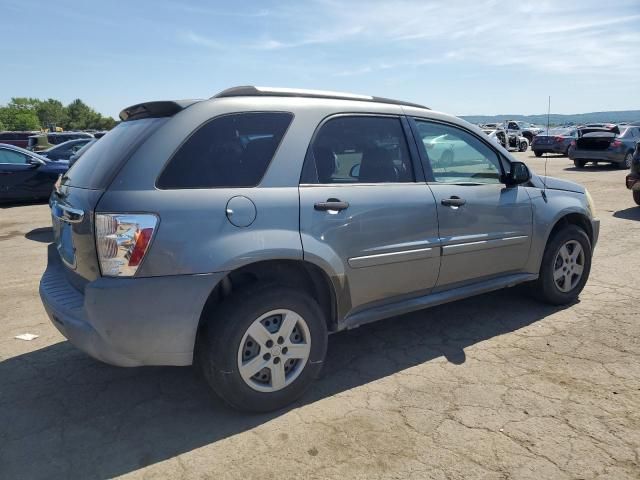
263	347
579	163
537	153
523	146
565	267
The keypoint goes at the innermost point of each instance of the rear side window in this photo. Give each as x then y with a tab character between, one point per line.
96	168
228	151
360	149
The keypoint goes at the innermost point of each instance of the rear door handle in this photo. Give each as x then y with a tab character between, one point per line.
331	204
453	201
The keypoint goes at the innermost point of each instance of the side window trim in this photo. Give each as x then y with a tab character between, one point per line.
309	172
502	160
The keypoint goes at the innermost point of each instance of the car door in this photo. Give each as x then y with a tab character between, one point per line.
366	213
16	175
484	226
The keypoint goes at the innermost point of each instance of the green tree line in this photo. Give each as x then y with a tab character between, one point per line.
23	113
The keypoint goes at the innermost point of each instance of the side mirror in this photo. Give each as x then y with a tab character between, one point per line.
518	174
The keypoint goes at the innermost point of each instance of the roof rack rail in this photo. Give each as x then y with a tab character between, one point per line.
251	91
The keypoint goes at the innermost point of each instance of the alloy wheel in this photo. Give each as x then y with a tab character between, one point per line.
568	266
274	350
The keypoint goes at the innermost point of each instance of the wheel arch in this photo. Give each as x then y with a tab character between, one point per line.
572	218
299	274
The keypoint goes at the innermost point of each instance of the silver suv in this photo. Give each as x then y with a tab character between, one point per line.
237	232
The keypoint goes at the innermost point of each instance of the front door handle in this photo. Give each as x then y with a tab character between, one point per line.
331	204
453	201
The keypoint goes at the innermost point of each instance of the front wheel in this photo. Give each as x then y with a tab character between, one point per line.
262	347
579	163
565	267
537	153
523	146
636	196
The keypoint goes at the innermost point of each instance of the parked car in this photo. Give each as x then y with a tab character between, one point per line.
17	139
74	158
555	140
633	179
65	151
236	232
511	141
609	144
44	141
25	175
522	129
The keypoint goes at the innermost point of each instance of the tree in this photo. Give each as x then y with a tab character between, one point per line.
20	114
52	113
81	116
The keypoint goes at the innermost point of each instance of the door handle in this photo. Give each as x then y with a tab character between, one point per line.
331	204
453	201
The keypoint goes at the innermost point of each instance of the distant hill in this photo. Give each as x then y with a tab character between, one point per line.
557	119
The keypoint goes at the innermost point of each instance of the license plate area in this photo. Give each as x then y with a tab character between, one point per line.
63	237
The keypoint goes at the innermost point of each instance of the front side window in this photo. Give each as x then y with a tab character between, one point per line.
228	151
9	156
457	156
361	149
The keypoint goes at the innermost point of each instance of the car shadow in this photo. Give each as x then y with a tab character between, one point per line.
64	415
601	167
631	213
43	235
12	204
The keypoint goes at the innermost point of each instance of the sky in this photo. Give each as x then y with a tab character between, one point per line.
462	57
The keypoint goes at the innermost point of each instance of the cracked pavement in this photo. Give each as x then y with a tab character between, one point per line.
493	387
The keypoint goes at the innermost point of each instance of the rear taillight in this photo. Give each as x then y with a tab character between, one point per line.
122	241
616	143
558	139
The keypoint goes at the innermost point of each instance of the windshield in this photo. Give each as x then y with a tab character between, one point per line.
95	169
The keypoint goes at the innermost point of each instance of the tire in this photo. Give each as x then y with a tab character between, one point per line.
566	152
522	147
563	290
579	163
537	153
626	163
226	340
636	196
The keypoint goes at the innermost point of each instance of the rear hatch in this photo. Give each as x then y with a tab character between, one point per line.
77	193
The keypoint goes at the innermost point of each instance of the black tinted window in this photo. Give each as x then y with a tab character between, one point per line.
361	150
97	166
229	151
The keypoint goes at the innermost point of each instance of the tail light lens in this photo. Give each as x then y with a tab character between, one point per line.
616	143
122	241
558	139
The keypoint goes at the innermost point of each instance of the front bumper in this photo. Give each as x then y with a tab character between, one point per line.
128	321
595	230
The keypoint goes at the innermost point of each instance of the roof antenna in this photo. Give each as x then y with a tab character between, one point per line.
546	155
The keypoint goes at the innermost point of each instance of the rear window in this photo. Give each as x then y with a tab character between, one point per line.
228	151
96	168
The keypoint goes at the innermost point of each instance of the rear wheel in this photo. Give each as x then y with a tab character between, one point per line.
636	196
537	153
579	163
523	146
263	347
626	164
565	268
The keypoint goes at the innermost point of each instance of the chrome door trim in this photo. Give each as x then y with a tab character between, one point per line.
483	245
392	257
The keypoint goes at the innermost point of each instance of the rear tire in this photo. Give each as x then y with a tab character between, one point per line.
579	163
565	267
636	196
626	164
523	147
537	153
285	363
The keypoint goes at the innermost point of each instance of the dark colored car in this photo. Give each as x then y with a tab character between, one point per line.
555	140
18	139
76	156
65	150
25	175
633	179
609	144
44	141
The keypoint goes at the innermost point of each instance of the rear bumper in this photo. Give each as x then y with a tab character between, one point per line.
128	322
549	148
597	155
